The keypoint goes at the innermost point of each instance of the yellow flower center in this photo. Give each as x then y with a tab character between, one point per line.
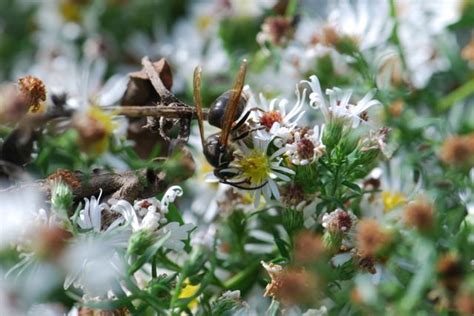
189	290
99	146
391	200
255	167
106	119
203	22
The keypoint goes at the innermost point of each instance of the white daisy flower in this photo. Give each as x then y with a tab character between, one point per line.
150	222
154	205
306	146
148	213
249	8
260	171
178	233
19	209
421	30
154	220
367	22
90	217
339	106
274	116
93	264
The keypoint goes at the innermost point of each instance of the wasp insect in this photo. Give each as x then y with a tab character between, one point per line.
226	113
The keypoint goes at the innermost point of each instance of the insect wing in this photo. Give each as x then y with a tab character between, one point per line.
233	104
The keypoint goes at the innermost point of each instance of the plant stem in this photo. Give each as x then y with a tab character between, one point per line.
153	267
459	94
242	276
177	291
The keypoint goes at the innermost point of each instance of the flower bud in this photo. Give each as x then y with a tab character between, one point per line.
338	224
332	241
349	143
140	241
346	45
332	134
367	157
292	220
61	198
229	303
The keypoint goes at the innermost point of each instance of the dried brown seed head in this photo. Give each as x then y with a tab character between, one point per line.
276	30
458	151
290	286
451	272
308	248
34	91
371	237
420	215
66	176
396	108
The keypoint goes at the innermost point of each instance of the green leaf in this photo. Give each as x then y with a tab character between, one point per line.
352	186
174	215
282	246
149	253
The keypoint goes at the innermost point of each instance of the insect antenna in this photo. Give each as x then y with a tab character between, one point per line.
198	102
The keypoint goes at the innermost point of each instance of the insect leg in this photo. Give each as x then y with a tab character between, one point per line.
247	133
244	118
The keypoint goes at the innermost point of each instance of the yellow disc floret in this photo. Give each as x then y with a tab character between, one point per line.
188	290
391	200
255	167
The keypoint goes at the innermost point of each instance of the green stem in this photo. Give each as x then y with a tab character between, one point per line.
242	276
177	291
459	94
396	40
153	267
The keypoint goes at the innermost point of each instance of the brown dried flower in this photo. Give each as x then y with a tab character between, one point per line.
451	272
364	262
49	242
276	30
292	195
66	176
289	286
339	221
458	151
34	90
371	238
330	36
396	108
308	248
419	214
